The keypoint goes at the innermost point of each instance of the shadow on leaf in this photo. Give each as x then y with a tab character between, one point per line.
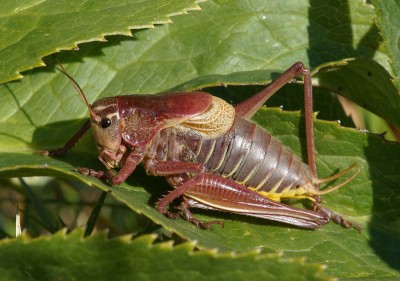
384	224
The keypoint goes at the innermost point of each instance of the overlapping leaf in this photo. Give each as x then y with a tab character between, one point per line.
69	257
30	30
387	20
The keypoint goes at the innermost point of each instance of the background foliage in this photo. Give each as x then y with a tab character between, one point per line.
240	44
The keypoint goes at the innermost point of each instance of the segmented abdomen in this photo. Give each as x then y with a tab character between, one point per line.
246	153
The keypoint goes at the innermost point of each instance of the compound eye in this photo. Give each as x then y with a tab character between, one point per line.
105	123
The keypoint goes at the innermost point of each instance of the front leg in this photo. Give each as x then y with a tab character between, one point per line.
102	175
128	167
131	162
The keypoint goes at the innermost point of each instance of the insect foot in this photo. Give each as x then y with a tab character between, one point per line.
187	215
337	218
91	173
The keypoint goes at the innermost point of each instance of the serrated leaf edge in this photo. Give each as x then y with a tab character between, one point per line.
101	38
149	240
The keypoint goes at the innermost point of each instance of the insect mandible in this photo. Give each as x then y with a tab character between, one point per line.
211	153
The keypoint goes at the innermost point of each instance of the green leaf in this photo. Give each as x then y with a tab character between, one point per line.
387	21
70	257
229	42
366	83
31	30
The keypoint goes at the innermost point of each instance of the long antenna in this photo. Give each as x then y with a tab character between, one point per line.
93	115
